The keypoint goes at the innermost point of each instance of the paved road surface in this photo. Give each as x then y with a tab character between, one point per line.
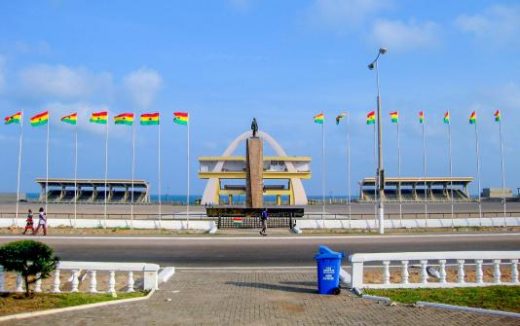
258	251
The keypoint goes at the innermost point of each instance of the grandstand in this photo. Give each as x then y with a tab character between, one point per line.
93	190
418	189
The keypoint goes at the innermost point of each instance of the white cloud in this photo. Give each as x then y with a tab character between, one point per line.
143	85
497	23
60	81
402	36
344	13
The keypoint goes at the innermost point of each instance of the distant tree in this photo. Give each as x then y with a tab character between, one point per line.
32	259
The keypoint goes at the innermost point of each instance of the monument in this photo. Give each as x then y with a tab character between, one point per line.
254	169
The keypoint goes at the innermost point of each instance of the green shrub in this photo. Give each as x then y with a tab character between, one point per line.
32	259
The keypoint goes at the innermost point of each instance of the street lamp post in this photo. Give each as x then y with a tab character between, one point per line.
380	182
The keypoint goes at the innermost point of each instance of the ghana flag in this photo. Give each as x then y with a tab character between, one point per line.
473	118
149	119
340	117
319	118
181	118
421	117
126	119
498	116
394	116
15	118
99	117
446	118
40	119
371	118
70	119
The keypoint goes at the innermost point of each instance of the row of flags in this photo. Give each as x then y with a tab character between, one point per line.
394	117
145	119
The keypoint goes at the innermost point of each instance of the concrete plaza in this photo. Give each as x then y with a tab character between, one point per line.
258	297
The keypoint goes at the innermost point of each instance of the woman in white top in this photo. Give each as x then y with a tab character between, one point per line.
42	222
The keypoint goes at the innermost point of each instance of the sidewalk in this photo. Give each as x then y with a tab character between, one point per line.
258	298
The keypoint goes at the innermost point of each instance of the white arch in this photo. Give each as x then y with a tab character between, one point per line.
211	190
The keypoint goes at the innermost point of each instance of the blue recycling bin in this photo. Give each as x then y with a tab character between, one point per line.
329	267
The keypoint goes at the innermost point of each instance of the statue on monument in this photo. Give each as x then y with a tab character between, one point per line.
254	127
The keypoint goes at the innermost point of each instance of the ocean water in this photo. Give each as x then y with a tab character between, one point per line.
237	200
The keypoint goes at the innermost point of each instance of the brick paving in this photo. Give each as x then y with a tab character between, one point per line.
202	297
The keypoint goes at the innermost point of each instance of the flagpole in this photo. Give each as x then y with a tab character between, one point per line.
425	174
451	172
159	171
399	174
47	167
502	167
322	170
375	179
75	173
133	178
477	152
188	180
106	173
18	178
349	169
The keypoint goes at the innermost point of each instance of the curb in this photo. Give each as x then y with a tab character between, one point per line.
376	298
74	308
468	309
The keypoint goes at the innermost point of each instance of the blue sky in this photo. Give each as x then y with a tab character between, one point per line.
279	61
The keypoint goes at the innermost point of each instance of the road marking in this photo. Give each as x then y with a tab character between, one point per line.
217	238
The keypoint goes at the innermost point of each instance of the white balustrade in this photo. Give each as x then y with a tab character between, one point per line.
19	283
38	284
2	277
150	276
404	272
496	271
462	260
112	282
460	271
478	271
131	282
514	271
442	266
93	282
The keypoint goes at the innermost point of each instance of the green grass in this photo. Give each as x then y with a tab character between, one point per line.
14	303
505	298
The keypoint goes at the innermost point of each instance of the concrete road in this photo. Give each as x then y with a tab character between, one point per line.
258	251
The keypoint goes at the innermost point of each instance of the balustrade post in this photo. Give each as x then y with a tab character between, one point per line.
56	284
357	275
19	284
93	282
75	280
514	271
404	272
424	274
442	272
112	282
478	271
386	272
2	279
130	281
38	284
496	272
460	271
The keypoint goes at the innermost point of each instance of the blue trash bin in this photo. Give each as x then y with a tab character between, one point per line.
329	266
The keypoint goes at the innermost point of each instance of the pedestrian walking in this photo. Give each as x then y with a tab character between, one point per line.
263	219
42	221
29	222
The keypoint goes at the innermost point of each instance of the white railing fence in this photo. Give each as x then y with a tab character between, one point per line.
77	272
433	269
